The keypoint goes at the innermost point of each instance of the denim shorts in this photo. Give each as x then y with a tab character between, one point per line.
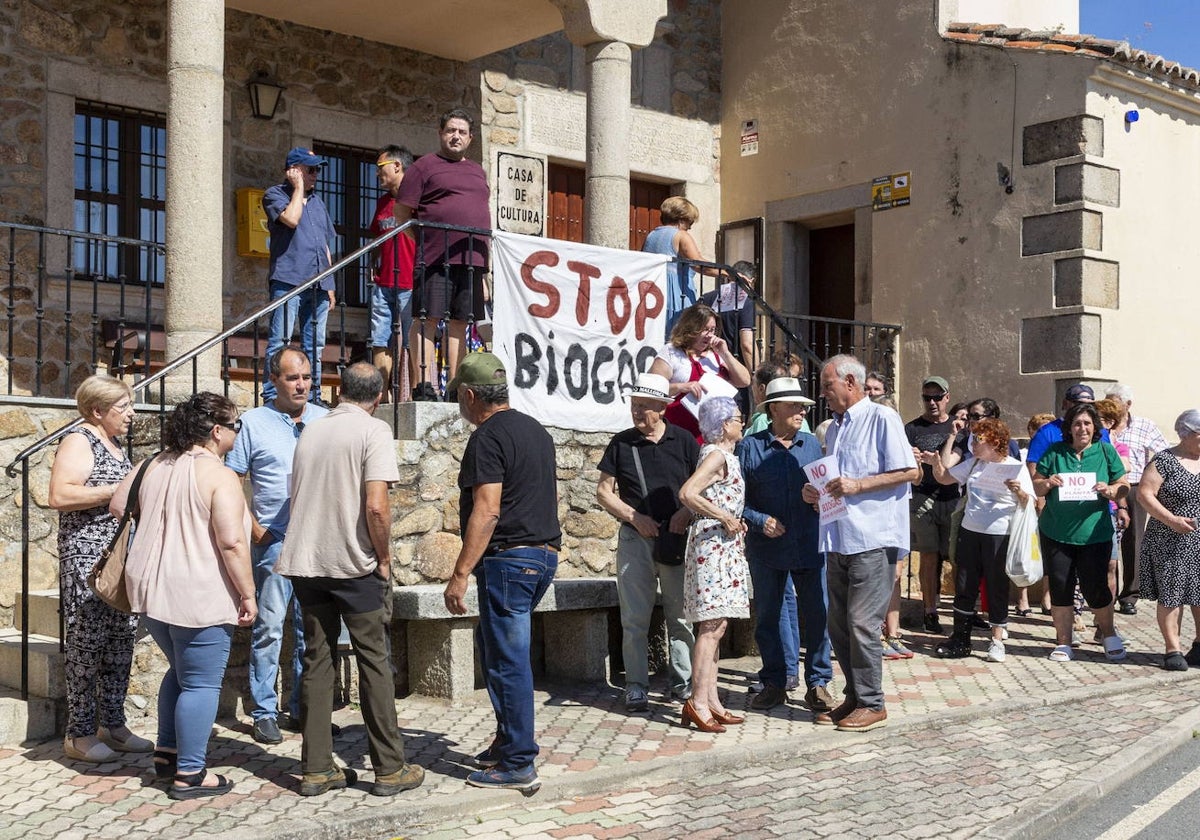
389	305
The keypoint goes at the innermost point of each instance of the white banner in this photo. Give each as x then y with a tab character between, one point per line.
574	325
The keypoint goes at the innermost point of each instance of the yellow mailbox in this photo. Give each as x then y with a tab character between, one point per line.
252	236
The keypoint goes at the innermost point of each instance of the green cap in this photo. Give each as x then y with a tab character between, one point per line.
938	381
479	369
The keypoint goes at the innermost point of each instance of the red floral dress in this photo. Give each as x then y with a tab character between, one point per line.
715	574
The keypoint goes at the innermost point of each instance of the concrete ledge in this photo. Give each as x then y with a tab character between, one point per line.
441	646
424	602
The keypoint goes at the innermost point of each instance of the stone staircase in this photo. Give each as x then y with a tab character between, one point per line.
43	716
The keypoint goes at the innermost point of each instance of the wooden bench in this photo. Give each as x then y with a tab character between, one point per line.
135	351
441	647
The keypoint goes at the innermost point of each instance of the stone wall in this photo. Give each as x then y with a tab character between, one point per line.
425	530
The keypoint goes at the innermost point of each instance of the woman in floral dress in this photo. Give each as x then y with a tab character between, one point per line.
715	572
87	469
1170	570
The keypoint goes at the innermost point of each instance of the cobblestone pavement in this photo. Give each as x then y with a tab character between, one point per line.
979	746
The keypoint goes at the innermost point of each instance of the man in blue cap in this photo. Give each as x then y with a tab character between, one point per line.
301	231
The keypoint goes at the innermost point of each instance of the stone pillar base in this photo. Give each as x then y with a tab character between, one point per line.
586	658
441	658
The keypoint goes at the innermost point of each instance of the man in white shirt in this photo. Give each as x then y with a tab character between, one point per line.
875	467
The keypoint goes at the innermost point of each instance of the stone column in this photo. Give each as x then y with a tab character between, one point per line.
195	212
606	194
608	29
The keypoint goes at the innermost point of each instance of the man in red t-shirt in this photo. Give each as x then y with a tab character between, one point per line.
391	297
446	187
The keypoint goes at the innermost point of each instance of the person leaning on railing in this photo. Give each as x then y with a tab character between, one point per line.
99	639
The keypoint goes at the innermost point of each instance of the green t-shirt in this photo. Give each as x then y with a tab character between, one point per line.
1079	523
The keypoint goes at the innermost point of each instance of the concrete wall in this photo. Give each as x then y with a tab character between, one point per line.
841	99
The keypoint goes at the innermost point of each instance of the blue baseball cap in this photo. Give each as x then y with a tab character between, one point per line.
300	156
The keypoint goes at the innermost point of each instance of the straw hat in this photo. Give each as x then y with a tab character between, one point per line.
784	389
650	386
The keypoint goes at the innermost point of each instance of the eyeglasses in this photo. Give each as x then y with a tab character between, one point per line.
383	163
121	407
736	419
235	426
311	170
934	397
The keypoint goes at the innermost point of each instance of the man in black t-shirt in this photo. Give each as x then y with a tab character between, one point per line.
508	514
640	475
932	503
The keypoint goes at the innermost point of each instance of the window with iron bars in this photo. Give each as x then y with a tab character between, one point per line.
349	189
120	172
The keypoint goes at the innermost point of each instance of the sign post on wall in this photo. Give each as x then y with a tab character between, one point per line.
888	191
520	193
749	138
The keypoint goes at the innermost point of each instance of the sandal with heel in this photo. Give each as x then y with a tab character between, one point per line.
194	787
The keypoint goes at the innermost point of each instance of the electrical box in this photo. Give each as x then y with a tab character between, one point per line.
252	236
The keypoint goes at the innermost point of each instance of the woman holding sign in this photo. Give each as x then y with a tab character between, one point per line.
697	360
1079	476
997	486
714	568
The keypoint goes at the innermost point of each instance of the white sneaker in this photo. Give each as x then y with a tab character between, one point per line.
995	651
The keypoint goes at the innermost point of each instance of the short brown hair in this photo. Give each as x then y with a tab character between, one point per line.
678	209
99	392
1037	421
1111	411
993	432
691	323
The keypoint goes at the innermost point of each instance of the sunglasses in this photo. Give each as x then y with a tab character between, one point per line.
235	426
934	397
977	416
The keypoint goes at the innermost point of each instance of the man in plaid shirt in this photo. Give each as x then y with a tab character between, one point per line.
1144	441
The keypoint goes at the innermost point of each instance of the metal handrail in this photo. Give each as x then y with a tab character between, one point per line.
209	344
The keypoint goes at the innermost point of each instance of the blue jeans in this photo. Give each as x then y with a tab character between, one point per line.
187	699
510	585
789	630
769	588
312	330
389	306
274	594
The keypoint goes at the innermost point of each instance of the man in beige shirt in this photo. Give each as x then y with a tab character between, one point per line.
337	553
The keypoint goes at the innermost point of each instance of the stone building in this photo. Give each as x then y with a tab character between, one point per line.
149	100
1045	239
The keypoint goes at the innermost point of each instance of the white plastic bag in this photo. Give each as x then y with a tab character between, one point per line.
1024	561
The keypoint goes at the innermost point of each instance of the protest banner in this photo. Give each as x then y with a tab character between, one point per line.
830	508
575	324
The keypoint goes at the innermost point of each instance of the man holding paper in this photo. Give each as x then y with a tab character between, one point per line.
875	465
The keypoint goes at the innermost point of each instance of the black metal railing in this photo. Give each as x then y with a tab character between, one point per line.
125	339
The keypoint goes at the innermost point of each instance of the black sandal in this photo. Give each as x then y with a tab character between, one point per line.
165	765
194	786
1025	613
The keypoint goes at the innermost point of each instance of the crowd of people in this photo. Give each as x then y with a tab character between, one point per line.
716	509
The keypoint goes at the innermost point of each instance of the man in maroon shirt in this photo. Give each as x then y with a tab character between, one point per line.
448	188
391	303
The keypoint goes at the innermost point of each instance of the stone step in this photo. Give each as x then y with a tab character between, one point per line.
43	613
25	721
46	675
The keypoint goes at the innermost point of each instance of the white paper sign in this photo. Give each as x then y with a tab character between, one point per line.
575	324
993	476
714	386
820	473
1077	487
730	298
